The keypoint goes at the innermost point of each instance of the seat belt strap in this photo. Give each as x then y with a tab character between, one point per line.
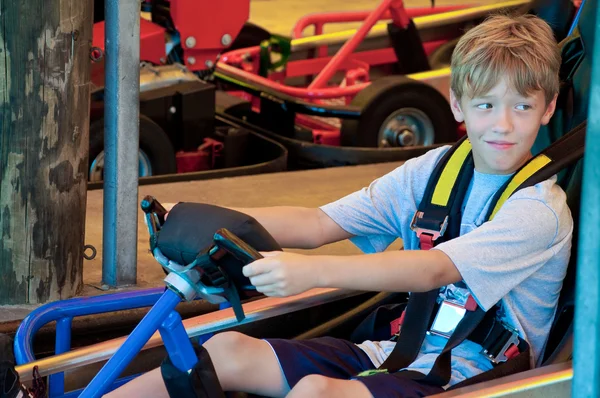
430	229
442	201
564	152
411	339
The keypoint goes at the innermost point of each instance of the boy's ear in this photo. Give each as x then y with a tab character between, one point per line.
455	106
549	111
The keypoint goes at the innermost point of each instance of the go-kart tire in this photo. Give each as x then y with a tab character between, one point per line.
251	35
441	56
155	146
392	95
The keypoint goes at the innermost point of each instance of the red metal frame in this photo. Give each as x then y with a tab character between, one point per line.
207	22
152	46
235	62
372	57
243	63
319	20
215	20
400	19
152	40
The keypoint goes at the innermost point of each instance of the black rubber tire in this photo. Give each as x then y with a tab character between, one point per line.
389	94
442	55
153	141
251	35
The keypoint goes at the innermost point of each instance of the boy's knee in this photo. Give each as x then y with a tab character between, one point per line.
224	350
225	341
314	386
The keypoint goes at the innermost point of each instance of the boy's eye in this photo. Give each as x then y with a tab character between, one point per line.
523	107
485	106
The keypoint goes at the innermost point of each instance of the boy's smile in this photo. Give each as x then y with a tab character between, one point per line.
502	126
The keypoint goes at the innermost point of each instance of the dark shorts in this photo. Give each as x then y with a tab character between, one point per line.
341	359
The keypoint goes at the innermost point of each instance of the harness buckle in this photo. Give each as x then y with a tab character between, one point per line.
420	229
509	349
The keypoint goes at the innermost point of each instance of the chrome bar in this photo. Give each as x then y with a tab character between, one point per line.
424	22
209	323
121	143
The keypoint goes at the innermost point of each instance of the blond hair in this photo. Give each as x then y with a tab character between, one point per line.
521	49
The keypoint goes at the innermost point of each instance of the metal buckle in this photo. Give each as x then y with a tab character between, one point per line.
448	317
501	356
434	234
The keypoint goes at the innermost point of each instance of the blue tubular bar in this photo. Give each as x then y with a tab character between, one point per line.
576	19
178	344
132	345
71	308
586	355
63	344
121	143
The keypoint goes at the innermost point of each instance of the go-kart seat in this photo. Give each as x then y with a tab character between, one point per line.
557	13
571	111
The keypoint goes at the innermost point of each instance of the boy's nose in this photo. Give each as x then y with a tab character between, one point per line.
503	123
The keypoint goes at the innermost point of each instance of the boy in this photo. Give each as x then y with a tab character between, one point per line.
504	86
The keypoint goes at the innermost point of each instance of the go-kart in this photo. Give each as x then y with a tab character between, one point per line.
394	74
262	312
371	95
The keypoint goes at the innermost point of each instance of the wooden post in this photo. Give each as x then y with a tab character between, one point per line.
44	124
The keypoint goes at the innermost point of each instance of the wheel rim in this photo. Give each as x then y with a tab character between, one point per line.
97	166
406	127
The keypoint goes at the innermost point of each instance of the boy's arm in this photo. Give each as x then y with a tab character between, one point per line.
294	227
285	274
392	271
297	227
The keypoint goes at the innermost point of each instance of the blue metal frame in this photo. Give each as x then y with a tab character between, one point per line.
63	313
63	344
162	317
576	19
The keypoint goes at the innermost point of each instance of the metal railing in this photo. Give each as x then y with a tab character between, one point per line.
121	142
198	326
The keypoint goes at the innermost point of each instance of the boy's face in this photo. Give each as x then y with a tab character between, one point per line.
502	126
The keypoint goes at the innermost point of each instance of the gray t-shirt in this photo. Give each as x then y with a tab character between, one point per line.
519	258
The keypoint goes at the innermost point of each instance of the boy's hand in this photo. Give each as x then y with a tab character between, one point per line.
168	207
281	274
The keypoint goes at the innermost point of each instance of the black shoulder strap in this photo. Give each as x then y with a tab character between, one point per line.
439	213
438	219
561	154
